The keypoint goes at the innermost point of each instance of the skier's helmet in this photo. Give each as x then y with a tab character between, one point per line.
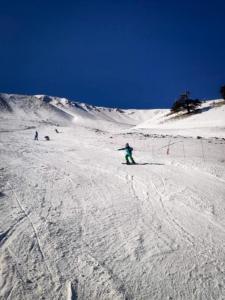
127	145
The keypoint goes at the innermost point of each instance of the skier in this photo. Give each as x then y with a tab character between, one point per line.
56	130
47	138
128	155
36	136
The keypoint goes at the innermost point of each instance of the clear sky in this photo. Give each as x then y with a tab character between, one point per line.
119	53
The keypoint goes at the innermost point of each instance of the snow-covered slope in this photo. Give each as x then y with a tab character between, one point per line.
209	121
77	224
30	111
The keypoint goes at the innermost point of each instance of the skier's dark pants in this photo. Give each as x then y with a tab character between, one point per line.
131	158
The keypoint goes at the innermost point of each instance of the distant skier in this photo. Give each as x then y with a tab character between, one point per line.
47	138
36	136
56	130
128	155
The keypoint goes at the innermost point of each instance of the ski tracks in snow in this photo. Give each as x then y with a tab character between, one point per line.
149	221
103	231
28	217
94	274
163	198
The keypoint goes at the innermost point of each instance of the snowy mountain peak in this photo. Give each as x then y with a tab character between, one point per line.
209	119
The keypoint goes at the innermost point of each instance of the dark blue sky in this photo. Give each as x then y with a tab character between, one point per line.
113	53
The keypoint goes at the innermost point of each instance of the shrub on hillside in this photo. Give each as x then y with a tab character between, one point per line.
185	103
222	91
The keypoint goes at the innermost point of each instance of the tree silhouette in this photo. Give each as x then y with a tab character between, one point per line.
222	91
185	103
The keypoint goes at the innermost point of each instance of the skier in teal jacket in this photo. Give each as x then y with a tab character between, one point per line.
128	151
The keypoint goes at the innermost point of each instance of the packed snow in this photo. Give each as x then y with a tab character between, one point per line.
76	223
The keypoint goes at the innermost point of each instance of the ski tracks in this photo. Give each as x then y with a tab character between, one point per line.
163	198
27	216
92	270
158	185
150	221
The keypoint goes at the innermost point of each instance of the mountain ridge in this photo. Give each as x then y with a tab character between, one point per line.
209	119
